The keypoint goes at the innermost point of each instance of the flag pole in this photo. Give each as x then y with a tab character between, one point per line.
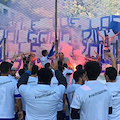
56	38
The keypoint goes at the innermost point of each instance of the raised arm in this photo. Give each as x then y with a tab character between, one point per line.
13	59
115	35
51	53
23	55
101	36
60	77
24	78
98	56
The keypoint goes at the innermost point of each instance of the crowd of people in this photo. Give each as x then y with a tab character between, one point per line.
47	93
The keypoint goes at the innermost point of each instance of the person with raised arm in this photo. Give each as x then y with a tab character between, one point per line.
42	99
113	87
13	59
79	77
46	55
107	43
97	59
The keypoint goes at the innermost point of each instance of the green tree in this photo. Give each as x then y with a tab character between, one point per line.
91	8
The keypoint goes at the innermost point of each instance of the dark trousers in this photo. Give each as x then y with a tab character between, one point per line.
60	115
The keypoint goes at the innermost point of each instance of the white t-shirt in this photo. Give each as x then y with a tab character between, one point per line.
93	101
73	81
31	81
65	72
8	94
118	79
44	60
114	91
10	76
41	101
54	82
70	90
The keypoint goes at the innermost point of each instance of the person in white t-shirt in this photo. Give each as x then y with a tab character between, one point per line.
112	81
54	81
60	105
42	99
9	95
79	78
107	43
46	56
91	100
78	67
13	73
33	80
114	91
67	72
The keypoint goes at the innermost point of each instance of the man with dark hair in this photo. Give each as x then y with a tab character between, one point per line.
79	67
9	94
110	74
91	100
34	70
44	52
114	89
42	100
21	71
93	69
47	66
79	77
33	80
5	67
13	76
42	75
46	56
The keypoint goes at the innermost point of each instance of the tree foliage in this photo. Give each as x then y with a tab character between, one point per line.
91	8
69	8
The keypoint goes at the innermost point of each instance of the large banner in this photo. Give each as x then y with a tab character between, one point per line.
78	37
